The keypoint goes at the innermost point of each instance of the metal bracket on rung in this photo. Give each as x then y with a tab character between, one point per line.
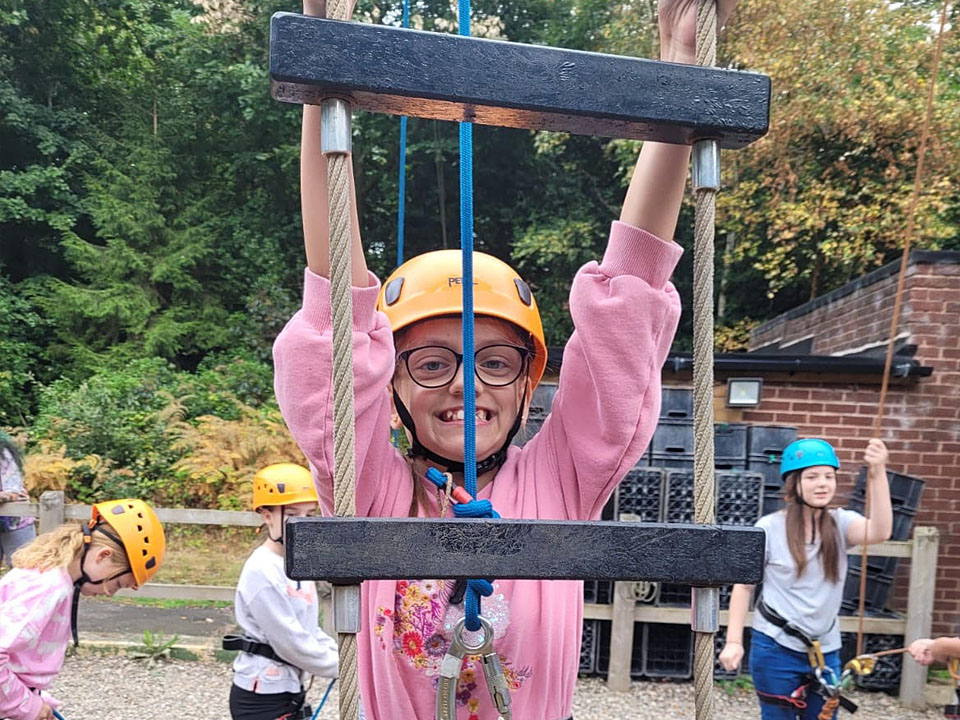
335	126
705	610
705	166
346	608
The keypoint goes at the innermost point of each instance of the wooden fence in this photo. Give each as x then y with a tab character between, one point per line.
51	512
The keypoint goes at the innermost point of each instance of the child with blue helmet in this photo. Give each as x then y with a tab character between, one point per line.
795	630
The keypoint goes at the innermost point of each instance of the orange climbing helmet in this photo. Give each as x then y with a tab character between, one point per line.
429	286
138	529
283	484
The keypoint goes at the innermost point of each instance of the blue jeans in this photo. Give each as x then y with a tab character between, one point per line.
777	670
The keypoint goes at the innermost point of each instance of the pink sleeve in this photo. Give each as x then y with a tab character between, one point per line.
303	363
625	312
25	617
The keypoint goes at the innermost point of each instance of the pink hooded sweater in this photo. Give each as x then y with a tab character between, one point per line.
34	634
604	413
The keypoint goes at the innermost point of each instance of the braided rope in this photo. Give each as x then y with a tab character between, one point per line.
703	368
344	439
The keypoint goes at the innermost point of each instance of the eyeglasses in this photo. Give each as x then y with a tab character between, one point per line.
433	366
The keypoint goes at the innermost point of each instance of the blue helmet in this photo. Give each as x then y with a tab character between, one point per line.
806	453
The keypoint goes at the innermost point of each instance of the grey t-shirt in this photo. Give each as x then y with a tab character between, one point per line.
809	601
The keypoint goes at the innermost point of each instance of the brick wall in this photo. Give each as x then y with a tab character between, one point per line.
921	418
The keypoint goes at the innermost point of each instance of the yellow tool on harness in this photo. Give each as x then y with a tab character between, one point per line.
815	655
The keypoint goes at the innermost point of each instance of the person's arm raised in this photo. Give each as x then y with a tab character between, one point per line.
656	188
314	201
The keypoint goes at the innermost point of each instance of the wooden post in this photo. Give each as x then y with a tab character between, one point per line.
51	511
621	638
923	573
621	629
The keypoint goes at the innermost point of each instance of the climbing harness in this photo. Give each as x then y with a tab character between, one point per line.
452	663
821	679
244	643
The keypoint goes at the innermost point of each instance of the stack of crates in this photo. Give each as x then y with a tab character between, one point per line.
905	494
540	405
764	451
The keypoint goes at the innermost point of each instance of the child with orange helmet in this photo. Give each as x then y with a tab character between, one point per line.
408	364
122	546
281	640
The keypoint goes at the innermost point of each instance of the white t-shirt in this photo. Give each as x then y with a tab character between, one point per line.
271	608
809	602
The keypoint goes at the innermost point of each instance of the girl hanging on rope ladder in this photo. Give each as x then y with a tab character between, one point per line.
408	365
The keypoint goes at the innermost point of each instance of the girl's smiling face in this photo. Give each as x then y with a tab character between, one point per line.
438	412
817	485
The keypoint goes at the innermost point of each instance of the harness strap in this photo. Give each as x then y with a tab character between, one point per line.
795	700
254	647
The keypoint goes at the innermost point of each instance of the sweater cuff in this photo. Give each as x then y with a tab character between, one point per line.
318	310
632	251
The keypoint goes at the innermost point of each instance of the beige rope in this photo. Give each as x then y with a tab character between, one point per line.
897	303
344	440
703	369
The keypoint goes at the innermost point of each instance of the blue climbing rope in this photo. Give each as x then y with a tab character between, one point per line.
475	588
402	182
322	702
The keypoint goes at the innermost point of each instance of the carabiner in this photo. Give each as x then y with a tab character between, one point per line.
452	664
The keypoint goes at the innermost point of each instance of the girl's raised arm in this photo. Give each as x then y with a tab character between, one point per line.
313	191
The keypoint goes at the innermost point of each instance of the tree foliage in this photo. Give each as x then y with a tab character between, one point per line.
149	206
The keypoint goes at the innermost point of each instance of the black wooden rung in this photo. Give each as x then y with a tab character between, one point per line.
348	550
491	82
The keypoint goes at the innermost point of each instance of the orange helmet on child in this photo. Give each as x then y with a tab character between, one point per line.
283	484
138	529
429	286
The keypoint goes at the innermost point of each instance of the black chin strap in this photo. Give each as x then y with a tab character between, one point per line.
277	539
84	579
417	450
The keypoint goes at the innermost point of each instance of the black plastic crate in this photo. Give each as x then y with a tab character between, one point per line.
902	519
730	444
772	501
769	440
719	640
672	439
875	565
676	403
739	497
589	647
672	462
768	468
678	496
641	493
673	595
603	647
667	651
905	491
877	591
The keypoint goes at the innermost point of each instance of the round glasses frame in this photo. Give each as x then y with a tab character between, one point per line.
523	352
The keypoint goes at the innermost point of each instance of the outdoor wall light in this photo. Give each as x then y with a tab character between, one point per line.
743	392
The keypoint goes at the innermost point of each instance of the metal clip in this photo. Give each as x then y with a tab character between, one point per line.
815	655
497	684
452	664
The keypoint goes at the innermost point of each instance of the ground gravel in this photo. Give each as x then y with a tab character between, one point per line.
115	687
